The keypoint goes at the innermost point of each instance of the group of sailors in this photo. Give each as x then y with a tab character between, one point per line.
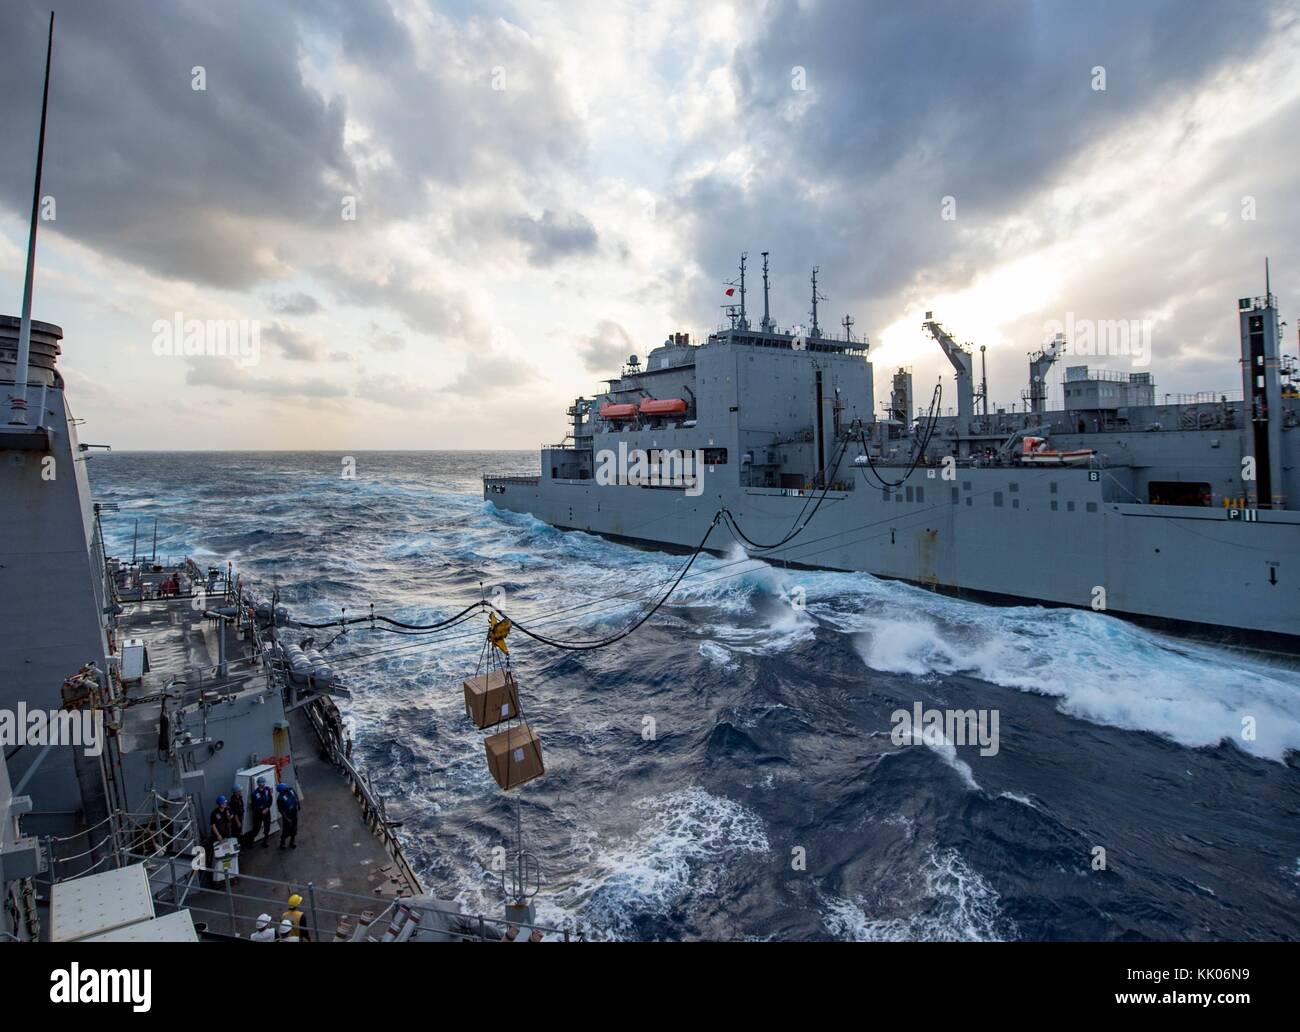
227	820
292	926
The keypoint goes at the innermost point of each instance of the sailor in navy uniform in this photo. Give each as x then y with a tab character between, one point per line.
286	801
261	801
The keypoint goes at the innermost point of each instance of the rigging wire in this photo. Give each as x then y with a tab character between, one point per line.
558	614
796	528
574	646
932	420
341	622
577	645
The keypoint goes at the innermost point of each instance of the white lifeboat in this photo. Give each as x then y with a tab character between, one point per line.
1034	452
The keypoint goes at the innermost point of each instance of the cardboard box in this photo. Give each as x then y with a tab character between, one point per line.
492	698
515	756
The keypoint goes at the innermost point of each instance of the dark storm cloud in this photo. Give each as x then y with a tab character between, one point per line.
909	103
553	236
179	181
239	183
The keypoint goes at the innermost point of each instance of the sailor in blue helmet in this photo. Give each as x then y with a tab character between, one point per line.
286	801
261	801
221	825
222	821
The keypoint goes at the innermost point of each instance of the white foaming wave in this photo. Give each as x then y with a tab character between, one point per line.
934	740
1102	669
785	628
951	903
687	840
718	655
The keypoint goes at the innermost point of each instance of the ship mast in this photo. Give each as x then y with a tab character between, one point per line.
766	325
744	320
816	330
18	399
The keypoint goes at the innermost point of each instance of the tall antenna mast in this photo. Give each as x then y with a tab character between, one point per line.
18	400
847	323
984	380
816	329
766	325
744	321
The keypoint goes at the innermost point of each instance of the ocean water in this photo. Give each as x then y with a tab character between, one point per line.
770	800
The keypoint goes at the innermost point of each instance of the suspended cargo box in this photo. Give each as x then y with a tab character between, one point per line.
492	698
515	756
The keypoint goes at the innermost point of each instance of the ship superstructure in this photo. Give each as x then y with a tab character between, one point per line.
1170	508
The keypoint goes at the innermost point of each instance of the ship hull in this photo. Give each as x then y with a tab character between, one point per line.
1003	534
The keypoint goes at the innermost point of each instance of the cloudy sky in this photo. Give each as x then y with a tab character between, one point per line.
541	189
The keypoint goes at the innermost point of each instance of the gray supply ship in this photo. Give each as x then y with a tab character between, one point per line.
135	691
1182	512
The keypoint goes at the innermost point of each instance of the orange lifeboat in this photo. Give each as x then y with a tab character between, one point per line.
662	407
612	411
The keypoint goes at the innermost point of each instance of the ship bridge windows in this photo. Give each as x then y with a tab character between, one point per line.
1178	492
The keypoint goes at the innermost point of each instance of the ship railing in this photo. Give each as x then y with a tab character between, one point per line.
512	479
1202	398
338	750
332	737
330	915
166	829
88	851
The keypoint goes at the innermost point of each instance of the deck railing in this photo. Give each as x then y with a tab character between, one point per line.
325	910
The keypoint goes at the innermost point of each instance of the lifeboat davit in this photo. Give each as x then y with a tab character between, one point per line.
612	411
1036	453
663	407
